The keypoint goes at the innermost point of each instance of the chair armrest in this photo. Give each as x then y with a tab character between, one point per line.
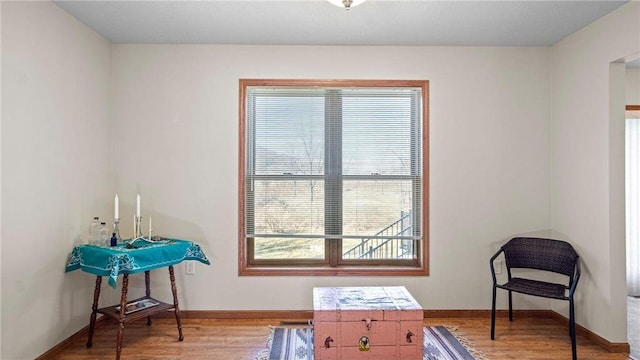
493	270
576	277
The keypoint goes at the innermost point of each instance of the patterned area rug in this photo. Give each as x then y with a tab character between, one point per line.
296	343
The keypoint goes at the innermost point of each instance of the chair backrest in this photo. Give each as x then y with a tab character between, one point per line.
543	254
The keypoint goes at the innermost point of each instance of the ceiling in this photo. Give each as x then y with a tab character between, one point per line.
317	22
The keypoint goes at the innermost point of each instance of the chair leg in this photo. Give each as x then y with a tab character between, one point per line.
572	330
510	307
493	314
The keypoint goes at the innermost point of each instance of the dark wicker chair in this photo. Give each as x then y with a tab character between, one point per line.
541	254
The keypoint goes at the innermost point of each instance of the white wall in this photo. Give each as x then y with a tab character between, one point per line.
55	170
632	86
489	158
587	206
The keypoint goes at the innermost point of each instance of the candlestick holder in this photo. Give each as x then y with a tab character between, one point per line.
138	228
116	229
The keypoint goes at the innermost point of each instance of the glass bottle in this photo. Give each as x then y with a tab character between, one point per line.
104	239
93	231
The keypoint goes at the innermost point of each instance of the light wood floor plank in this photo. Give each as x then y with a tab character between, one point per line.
523	339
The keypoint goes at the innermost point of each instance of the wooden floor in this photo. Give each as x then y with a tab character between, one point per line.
523	339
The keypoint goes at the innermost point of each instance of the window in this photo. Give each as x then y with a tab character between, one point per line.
332	177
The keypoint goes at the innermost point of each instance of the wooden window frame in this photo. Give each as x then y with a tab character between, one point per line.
246	267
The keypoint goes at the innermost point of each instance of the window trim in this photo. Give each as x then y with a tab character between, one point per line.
300	267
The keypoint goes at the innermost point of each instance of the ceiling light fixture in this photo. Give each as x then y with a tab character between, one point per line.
347	4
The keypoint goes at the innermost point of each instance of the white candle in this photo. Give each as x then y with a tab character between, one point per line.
116	214
138	206
149	227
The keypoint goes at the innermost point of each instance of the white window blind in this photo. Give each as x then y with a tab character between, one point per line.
334	163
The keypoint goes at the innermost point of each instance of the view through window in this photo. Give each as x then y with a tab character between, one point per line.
332	177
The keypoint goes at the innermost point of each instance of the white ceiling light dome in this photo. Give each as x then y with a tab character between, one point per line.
347	4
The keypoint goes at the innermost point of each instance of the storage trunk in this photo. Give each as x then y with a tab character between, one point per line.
366	323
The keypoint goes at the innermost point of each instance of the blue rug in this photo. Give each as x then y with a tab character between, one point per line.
289	343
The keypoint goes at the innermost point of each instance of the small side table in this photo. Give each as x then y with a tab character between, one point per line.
126	259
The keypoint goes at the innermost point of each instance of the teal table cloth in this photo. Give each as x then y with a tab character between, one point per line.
132	258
